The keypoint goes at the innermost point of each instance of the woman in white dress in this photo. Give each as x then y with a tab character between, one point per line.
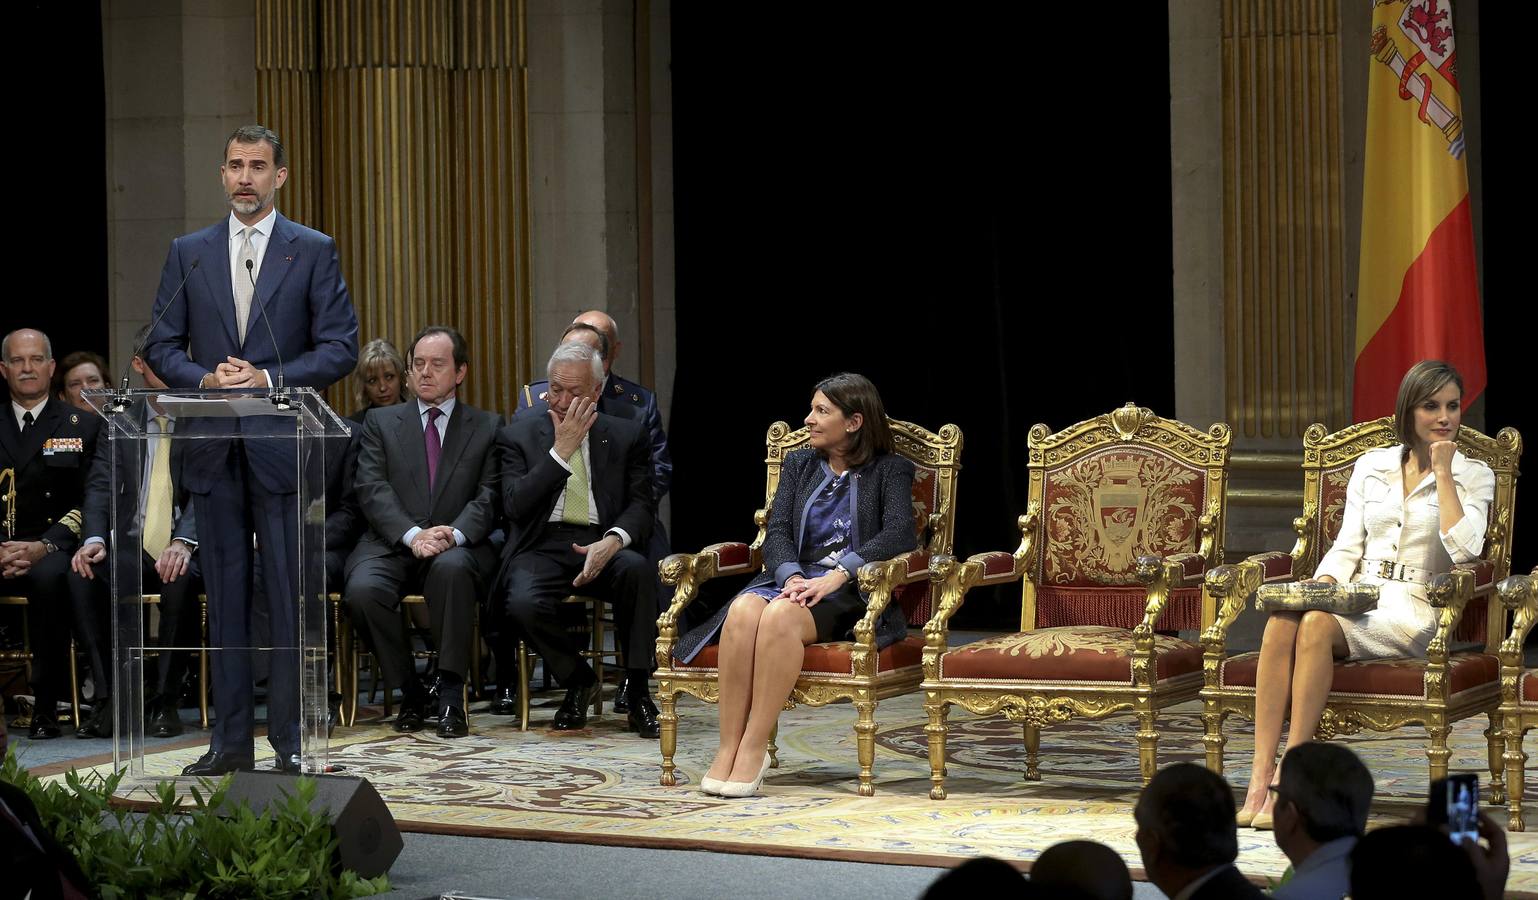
1412	511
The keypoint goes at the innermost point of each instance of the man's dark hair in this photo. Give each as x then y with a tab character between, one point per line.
1330	788
255	134
1191	811
1086	869
603	339
461	349
1411	861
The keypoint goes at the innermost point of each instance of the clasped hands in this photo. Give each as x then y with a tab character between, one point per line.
809	592
235	373
173	563
430	542
16	557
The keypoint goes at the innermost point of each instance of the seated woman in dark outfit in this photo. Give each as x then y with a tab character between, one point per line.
844	501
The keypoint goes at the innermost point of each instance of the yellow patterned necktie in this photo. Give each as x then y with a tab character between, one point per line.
574	512
157	504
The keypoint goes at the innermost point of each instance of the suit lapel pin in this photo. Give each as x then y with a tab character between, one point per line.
74	419
288	259
635	398
619	389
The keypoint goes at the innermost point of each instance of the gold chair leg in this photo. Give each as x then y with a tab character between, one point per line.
935	730
1497	763
1147	746
865	744
1516	762
1436	727
347	666
74	688
774	746
1032	752
203	686
1213	738
667	718
523	686
475	654
598	656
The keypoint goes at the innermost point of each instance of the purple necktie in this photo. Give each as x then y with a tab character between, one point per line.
434	445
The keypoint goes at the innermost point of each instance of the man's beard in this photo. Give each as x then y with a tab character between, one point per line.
246	207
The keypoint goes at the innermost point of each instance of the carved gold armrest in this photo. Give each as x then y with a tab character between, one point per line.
1449	593
1161	574
1208	527
687	571
1518	593
878	581
950	579
1303	527
1229	587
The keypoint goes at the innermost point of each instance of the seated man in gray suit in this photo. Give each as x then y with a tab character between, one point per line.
576	486
426	482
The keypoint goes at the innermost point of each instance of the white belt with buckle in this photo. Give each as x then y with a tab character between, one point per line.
1396	571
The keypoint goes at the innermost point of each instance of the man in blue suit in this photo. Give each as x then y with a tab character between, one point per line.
252	266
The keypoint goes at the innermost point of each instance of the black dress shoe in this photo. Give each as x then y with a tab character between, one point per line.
287	763
622	696
42	729
506	702
99	725
163	720
413	716
573	712
643	717
215	762
451	723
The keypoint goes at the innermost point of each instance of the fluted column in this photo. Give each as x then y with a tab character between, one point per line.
407	121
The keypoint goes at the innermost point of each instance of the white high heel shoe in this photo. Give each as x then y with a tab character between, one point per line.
711	785
739	789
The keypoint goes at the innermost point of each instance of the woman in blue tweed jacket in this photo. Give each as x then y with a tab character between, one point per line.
845	501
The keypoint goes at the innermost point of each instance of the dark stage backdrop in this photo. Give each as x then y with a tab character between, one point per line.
970	210
57	184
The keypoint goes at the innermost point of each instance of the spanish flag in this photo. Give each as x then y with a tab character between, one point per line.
1418	297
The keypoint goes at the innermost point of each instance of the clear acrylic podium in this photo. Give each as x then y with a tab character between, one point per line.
286	428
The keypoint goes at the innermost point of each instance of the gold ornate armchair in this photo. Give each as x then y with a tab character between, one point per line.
837	670
1519	687
1385	694
1124	517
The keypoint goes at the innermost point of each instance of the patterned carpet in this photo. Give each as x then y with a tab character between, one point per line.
600	786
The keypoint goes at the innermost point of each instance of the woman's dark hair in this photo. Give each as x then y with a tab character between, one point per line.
852	394
1420	384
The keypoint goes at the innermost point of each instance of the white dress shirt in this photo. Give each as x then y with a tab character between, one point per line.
18	411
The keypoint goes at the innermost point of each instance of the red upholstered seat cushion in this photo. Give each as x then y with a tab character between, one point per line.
1070	653
1385	677
1530	687
834	657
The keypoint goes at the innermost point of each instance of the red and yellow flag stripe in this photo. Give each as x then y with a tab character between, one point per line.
1418	291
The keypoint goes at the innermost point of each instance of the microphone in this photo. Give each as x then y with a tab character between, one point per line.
120	397
279	395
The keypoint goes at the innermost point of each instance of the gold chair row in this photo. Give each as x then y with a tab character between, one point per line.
1121	548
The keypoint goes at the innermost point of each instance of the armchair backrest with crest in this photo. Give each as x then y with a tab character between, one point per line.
1110	489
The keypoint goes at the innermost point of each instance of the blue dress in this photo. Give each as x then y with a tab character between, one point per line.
828	523
826	538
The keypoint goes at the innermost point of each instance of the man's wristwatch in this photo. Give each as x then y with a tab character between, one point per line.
843	571
48	546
